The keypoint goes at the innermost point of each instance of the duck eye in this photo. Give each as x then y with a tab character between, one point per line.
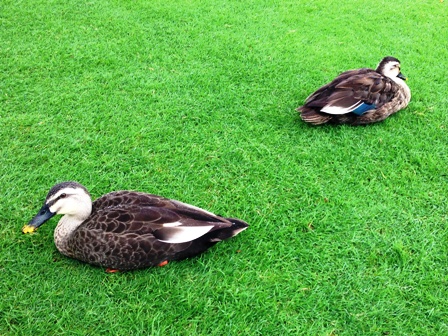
64	195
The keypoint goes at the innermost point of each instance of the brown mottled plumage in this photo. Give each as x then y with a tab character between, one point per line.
361	96
127	230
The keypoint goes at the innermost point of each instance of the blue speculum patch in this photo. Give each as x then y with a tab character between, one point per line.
364	107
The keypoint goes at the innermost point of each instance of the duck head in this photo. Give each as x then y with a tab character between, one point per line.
67	198
390	67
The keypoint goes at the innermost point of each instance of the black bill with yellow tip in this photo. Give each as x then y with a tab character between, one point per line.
42	216
401	76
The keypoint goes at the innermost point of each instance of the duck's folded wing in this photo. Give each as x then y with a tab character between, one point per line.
163	224
190	224
359	94
125	199
318	98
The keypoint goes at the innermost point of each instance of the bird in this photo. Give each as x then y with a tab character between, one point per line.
360	96
127	230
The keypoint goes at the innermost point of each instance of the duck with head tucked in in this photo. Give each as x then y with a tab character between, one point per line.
127	230
357	97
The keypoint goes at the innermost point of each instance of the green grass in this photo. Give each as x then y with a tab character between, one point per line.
194	100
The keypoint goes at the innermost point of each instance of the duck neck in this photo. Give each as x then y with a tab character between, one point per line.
406	90
66	227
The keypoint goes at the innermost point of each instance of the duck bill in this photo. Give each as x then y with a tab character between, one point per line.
42	216
401	76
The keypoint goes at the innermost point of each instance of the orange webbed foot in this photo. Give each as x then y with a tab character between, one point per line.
163	263
112	270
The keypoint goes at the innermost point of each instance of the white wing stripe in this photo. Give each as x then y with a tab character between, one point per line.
173	224
333	109
183	234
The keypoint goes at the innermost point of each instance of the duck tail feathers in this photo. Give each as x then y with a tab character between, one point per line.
309	115
237	226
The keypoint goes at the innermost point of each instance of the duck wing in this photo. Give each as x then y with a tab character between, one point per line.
356	91
162	223
127	198
327	89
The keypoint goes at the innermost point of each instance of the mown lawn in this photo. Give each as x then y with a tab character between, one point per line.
195	100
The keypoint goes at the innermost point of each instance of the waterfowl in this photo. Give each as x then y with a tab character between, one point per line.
126	230
360	96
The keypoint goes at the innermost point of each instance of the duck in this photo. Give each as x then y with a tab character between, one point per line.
127	230
359	97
